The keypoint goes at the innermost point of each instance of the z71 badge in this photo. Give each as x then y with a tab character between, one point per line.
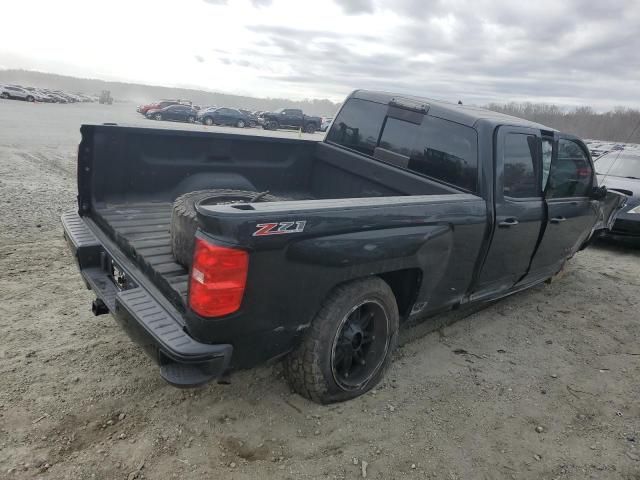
281	228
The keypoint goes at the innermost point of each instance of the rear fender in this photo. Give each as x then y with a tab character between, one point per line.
374	252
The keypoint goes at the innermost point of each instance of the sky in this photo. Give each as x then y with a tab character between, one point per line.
567	52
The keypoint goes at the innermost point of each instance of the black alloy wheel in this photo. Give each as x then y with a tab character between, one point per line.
360	346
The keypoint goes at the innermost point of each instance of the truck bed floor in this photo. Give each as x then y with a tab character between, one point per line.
143	231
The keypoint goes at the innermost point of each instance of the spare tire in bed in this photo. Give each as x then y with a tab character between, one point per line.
184	221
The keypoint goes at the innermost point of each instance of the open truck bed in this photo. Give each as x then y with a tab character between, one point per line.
138	173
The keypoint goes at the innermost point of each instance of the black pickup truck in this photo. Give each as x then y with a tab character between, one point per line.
290	118
318	251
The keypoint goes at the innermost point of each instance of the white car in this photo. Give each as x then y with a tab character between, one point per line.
326	123
17	93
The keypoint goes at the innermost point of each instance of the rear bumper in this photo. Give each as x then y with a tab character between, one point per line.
149	320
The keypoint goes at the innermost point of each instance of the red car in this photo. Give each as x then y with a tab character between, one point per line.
143	109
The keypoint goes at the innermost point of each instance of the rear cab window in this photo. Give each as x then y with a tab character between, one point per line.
425	145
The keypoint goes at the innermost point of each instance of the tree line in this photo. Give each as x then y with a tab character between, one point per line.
618	125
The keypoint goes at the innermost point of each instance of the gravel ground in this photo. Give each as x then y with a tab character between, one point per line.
541	385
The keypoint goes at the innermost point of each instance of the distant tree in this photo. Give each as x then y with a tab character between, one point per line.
622	124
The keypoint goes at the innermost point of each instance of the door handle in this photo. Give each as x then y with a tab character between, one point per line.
509	222
558	219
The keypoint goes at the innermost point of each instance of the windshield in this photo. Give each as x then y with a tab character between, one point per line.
619	166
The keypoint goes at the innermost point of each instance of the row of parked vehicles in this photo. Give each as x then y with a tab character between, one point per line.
44	95
185	111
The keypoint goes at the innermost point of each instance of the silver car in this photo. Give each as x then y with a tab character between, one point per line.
17	93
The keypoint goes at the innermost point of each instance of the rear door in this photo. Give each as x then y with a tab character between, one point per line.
519	210
571	210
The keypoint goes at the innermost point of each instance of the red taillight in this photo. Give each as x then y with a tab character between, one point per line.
218	278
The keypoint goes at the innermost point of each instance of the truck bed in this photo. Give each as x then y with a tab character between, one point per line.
143	232
130	178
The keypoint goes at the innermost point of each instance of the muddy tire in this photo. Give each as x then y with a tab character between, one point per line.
184	221
348	347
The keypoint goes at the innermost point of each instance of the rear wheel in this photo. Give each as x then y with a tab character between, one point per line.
157	116
240	124
30	98
208	121
310	128
348	347
191	119
4	95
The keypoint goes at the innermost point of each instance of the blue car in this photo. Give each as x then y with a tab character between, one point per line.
224	116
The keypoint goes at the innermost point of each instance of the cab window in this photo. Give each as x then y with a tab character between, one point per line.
436	148
520	179
358	125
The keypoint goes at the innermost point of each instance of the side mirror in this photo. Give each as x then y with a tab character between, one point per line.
598	193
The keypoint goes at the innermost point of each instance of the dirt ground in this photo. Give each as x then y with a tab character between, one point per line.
542	385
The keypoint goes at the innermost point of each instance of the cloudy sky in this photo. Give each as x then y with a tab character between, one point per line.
570	52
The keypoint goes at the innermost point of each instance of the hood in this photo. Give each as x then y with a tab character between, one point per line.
628	186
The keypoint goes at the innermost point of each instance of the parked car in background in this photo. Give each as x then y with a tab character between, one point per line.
174	113
290	118
620	171
17	93
225	116
57	98
143	109
251	118
326	123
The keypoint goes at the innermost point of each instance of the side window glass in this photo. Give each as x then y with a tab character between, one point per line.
547	152
358	125
437	148
519	166
571	174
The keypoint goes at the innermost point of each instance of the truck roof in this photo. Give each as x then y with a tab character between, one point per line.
463	114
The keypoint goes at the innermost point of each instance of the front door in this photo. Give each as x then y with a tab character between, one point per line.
519	210
571	210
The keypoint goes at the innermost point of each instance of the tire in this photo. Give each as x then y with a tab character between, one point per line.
191	119
310	128
157	116
30	99
240	124
313	369
271	125
184	221
5	95
208	121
